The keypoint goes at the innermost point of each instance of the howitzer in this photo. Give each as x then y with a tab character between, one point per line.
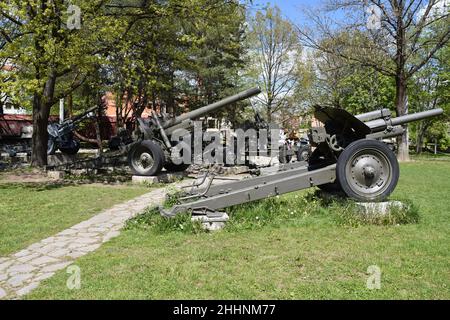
60	135
152	151
348	157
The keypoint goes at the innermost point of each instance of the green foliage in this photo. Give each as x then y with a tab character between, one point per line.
276	212
152	220
189	57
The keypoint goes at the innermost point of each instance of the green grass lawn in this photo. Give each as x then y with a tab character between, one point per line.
31	212
308	253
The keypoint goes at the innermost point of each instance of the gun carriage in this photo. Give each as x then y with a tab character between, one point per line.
348	156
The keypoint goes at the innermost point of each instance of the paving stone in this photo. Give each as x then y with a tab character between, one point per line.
6	264
21	268
48	248
28	258
88	234
27	289
56	267
3	276
87	240
3	260
44	276
43	261
98	230
61	244
22	253
59	253
2	293
76	245
19	279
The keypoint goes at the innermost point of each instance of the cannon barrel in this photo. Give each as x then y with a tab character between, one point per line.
212	107
373	115
83	115
381	124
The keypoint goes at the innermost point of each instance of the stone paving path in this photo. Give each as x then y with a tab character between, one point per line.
20	273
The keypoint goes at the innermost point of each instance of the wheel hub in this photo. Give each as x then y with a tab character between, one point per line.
369	172
145	160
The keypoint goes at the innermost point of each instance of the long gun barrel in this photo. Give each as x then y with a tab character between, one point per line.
83	115
212	107
383	124
373	115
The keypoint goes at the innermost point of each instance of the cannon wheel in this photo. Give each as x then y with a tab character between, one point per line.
146	158
368	170
73	150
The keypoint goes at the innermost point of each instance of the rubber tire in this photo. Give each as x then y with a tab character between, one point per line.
170	167
348	153
157	155
74	150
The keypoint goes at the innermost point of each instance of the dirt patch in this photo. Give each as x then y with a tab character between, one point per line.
25	176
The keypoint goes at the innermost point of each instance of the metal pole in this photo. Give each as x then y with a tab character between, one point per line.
61	110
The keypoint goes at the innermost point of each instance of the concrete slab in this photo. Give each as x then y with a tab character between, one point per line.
379	208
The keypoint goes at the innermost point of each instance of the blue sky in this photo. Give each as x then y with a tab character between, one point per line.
289	8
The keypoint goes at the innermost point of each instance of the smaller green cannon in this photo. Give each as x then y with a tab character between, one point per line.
349	156
60	135
152	152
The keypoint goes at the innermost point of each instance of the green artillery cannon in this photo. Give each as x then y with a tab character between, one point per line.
348	156
60	135
152	151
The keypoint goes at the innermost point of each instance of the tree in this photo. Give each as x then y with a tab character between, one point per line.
275	51
179	59
395	30
52	54
430	90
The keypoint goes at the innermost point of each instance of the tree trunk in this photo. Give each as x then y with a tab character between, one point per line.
41	112
97	130
401	102
40	134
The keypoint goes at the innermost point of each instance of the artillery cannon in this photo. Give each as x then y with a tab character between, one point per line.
152	151
348	156
60	135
